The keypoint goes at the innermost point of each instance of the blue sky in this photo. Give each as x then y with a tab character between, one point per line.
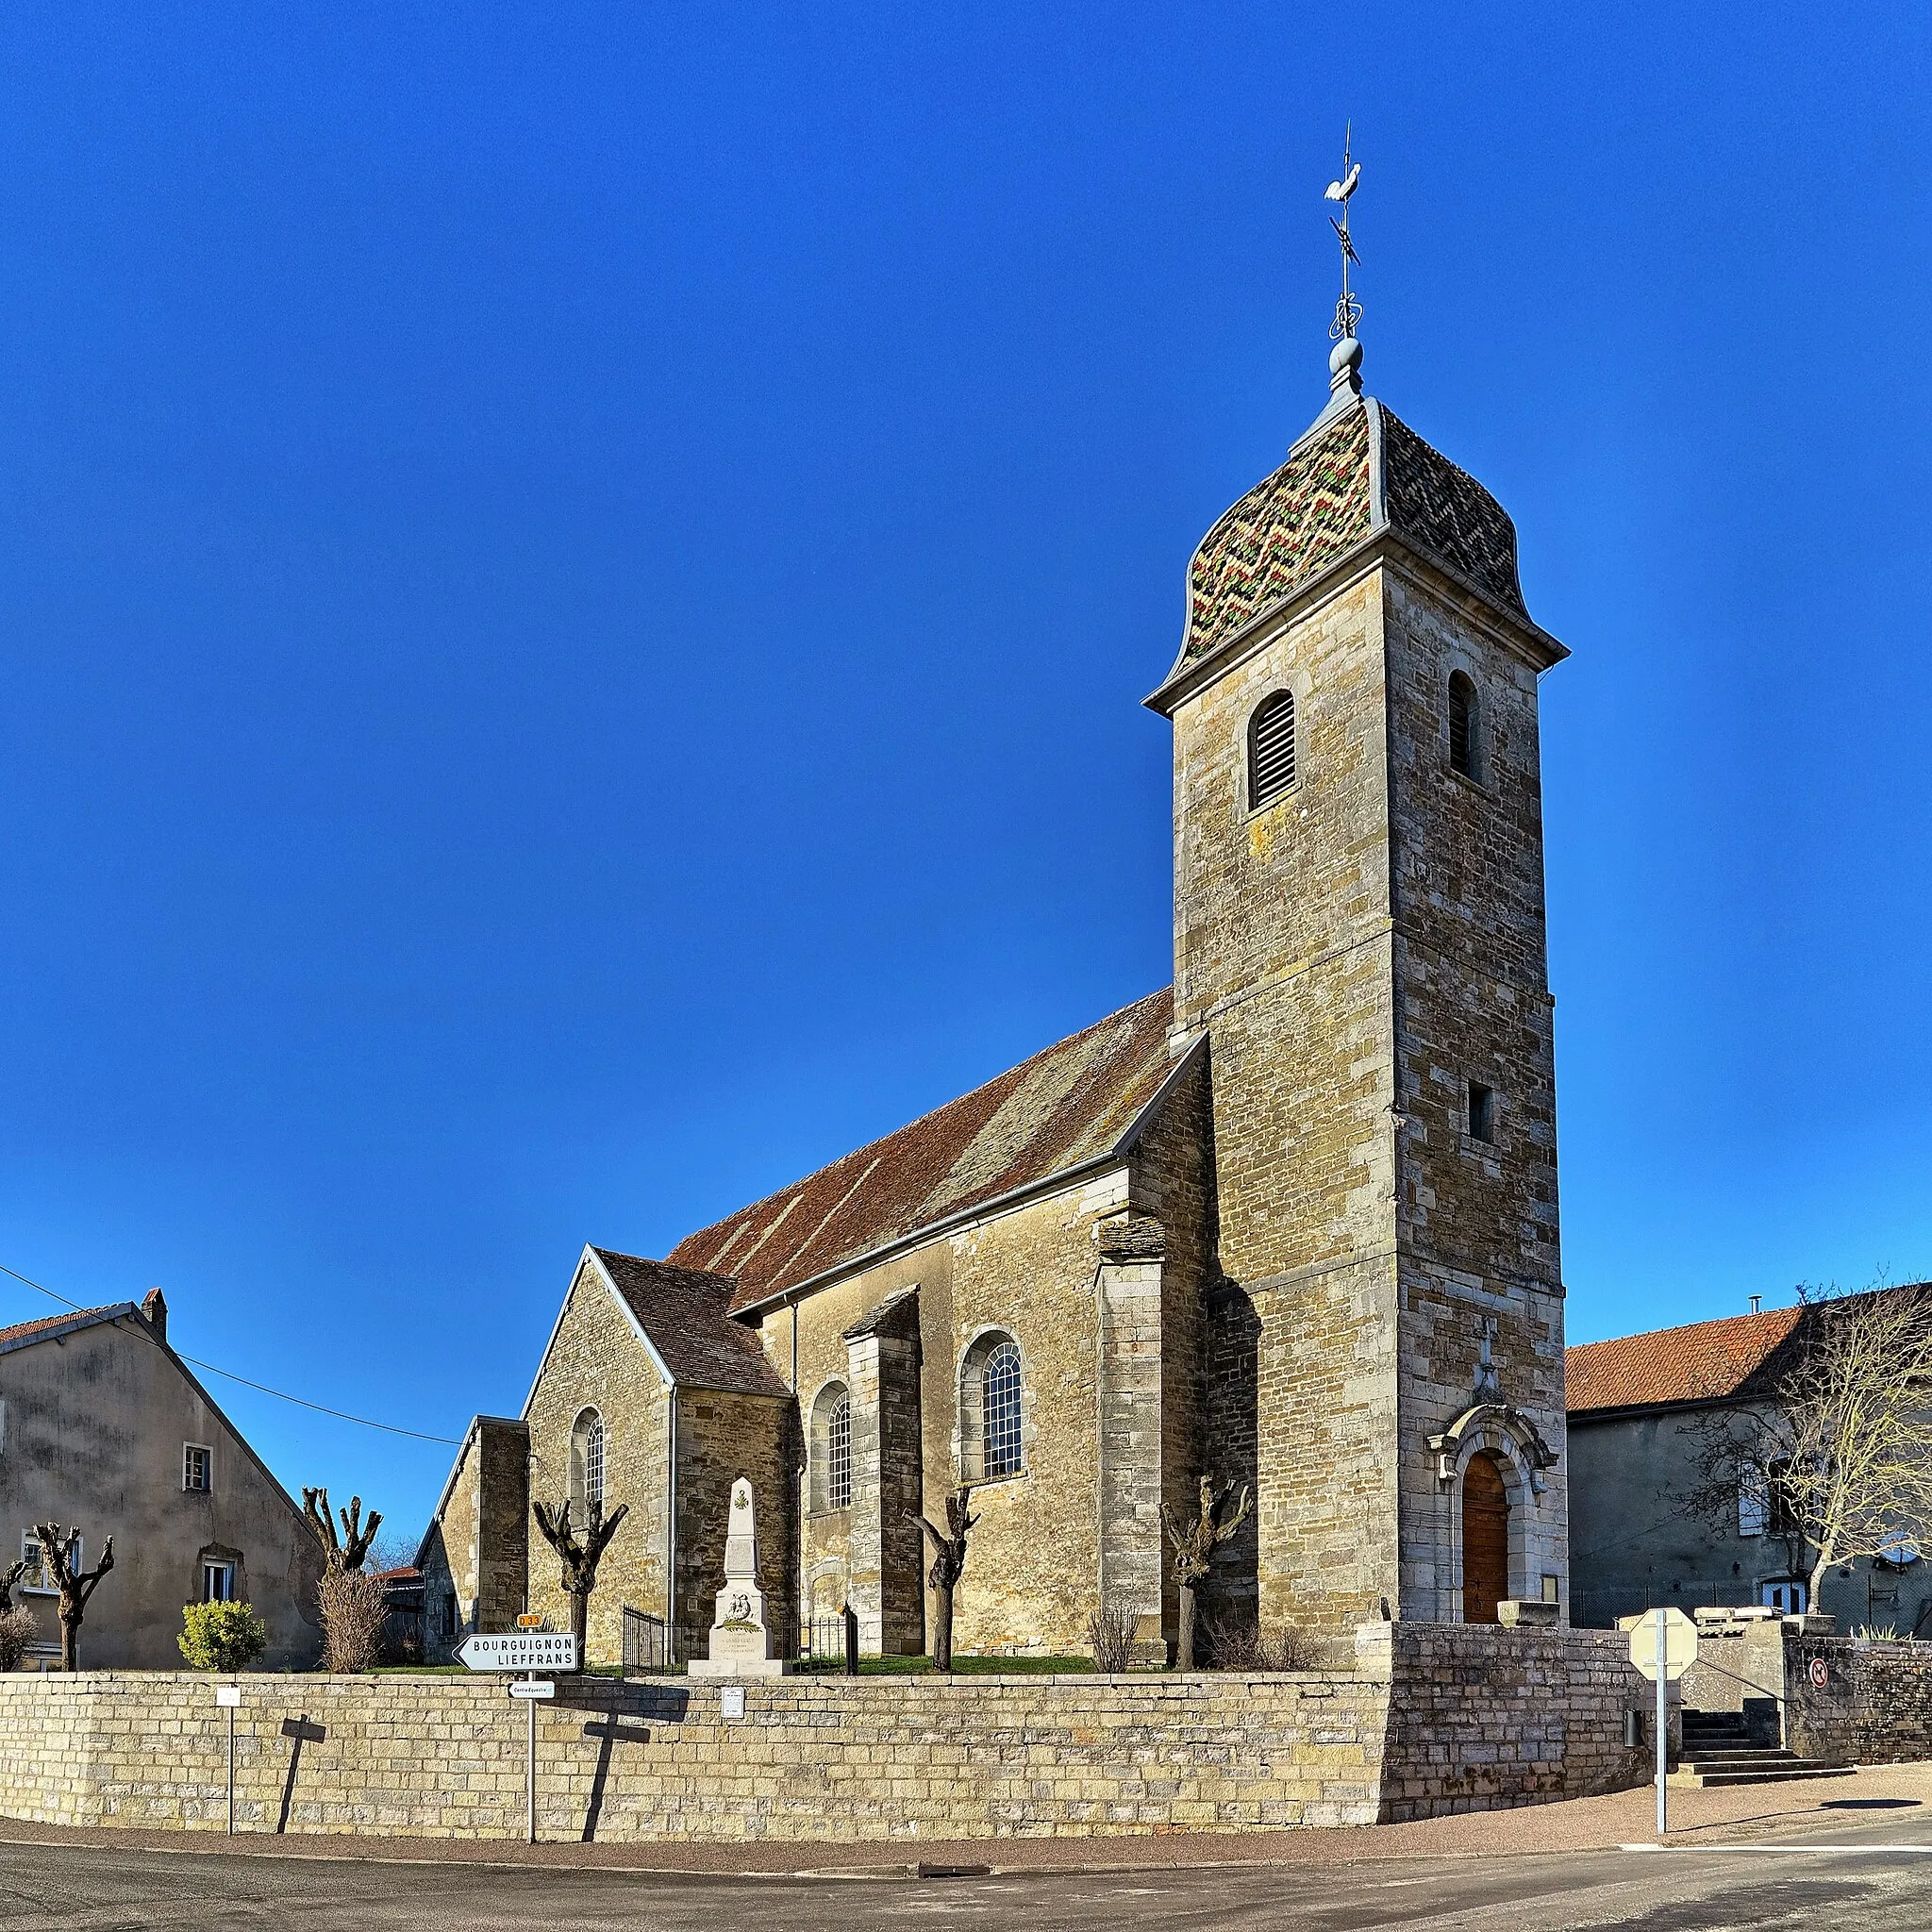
576	585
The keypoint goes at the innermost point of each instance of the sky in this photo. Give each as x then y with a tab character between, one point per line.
576	585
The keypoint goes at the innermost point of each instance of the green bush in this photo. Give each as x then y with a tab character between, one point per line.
221	1637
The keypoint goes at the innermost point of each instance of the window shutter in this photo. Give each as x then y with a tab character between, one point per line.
1271	748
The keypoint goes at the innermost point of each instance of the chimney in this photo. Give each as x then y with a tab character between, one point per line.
154	1307
1756	1303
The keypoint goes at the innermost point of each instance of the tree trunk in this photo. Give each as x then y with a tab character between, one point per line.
70	1641
1184	1656
1814	1584
942	1626
580	1626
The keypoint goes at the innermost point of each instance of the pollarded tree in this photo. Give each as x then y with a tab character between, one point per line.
1833	1450
1194	1554
948	1566
76	1587
579	1558
348	1550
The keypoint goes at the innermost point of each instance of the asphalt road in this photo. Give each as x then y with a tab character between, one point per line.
1863	1876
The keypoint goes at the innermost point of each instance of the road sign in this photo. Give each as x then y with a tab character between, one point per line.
530	1620
1679	1647
537	1687
520	1650
1820	1674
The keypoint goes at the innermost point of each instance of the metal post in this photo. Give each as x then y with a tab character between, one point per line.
531	1780
1663	1724
231	1771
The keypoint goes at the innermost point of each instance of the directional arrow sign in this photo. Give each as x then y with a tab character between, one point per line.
520	1650
1680	1642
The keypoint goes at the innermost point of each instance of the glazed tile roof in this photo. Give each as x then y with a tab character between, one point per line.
1072	1103
1364	472
1697	1364
687	1315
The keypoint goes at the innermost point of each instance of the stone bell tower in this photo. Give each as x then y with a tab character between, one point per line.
1358	931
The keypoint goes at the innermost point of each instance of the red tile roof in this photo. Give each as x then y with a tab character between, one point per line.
46	1325
688	1316
1697	1364
1072	1103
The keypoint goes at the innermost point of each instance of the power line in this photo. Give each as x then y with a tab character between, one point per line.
281	1394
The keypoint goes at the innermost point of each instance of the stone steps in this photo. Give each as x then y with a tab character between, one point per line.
1718	1752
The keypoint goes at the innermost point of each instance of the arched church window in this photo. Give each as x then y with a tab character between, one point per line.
587	1460
831	1448
1271	748
1465	726
991	1440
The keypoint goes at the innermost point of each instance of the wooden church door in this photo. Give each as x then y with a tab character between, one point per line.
1485	1541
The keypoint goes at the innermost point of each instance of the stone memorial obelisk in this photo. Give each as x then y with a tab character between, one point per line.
740	1644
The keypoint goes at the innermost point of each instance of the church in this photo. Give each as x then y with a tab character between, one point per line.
1289	1225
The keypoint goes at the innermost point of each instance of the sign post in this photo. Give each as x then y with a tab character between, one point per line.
527	1650
227	1696
1663	1645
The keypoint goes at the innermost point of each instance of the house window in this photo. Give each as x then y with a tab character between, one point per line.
1753	1501
1271	748
197	1468
39	1574
1465	726
1482	1111
1000	1405
450	1622
1786	1594
587	1460
831	1448
217	1583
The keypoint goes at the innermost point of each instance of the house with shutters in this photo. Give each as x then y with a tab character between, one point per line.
1290	1224
105	1430
1637	1405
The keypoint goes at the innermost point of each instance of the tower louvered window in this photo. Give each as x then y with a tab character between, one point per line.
1271	748
1464	720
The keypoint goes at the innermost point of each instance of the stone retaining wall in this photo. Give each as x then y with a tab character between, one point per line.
1435	1719
1874	1707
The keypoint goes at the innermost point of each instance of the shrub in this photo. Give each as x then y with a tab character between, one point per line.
221	1637
351	1605
17	1630
1110	1631
1238	1645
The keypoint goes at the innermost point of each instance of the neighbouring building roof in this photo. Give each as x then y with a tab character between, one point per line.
1702	1363
1075	1103
1363	471
687	1314
48	1326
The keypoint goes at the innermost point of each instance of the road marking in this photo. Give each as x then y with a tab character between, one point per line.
1796	1845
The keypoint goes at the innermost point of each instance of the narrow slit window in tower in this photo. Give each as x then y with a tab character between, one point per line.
1271	748
1465	711
1482	1111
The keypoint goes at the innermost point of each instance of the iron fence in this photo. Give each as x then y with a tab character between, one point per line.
822	1642
646	1643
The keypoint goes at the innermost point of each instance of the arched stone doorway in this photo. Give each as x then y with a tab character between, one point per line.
1485	1540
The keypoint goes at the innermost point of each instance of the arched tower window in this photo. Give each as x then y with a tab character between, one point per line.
587	1460
1465	726
992	1443
831	1448
1271	748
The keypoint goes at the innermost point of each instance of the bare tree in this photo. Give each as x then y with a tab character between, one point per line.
76	1587
1194	1554
348	1550
1110	1631
1835	1451
579	1558
948	1566
8	1579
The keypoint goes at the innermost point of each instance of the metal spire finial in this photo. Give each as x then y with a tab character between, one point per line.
1348	312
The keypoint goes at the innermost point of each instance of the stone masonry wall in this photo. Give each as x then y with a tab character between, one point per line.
1433	1719
1875	1706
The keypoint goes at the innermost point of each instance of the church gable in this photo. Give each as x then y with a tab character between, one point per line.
1076	1104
